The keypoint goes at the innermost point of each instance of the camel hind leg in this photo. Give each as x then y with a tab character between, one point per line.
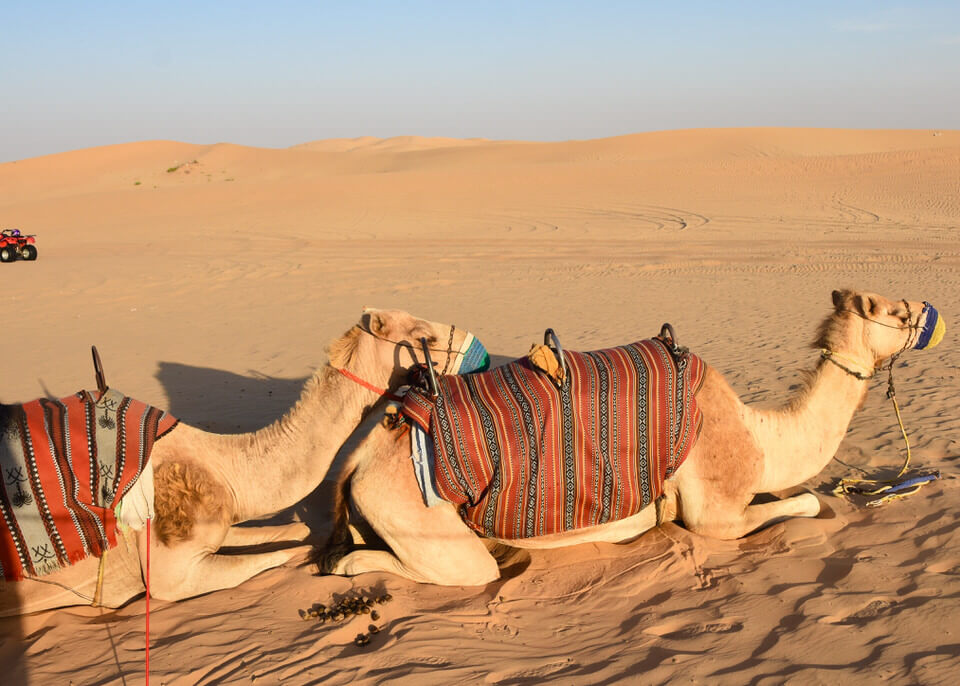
717	504
239	536
725	470
181	573
428	544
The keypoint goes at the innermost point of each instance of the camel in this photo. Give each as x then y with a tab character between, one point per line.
204	484
742	451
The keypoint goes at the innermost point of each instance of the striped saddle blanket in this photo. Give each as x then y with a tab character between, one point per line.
521	457
66	464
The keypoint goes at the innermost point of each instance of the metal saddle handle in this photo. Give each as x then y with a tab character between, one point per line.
431	374
669	337
98	370
550	336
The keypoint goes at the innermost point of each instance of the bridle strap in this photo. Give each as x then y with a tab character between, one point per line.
449	352
407	344
909	325
383	391
369	386
912	326
446	364
831	356
875	487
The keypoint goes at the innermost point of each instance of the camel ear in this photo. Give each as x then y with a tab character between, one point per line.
375	323
844	299
866	305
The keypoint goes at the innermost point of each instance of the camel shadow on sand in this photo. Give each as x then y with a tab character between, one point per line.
225	402
228	403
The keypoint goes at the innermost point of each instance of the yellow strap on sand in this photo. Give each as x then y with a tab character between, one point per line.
847	486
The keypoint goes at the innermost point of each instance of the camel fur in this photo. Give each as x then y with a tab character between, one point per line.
206	483
742	451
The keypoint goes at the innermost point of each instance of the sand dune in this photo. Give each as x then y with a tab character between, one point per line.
394	144
212	276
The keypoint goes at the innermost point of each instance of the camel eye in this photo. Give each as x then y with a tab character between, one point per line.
902	315
424	332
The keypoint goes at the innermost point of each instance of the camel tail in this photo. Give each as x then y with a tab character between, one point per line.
340	541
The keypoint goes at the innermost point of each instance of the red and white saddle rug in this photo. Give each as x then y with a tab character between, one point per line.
520	457
65	465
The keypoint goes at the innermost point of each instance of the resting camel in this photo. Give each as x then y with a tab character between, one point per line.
742	451
203	484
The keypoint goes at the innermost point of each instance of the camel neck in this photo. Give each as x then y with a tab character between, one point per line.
279	465
801	439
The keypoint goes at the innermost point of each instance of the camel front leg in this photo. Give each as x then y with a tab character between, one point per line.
239	536
429	544
729	524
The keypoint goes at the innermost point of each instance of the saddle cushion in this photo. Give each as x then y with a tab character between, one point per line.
520	457
66	464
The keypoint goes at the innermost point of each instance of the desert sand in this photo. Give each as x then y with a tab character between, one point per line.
212	276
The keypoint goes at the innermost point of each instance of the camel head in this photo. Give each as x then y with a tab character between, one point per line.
871	328
386	344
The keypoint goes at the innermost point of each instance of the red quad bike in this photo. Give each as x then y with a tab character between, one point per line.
13	244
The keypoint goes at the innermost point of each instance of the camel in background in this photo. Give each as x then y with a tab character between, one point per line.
741	452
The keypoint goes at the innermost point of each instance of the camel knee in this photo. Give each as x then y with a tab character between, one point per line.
473	567
168	585
171	569
806	505
481	573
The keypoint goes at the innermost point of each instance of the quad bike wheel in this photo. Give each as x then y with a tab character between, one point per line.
28	252
7	254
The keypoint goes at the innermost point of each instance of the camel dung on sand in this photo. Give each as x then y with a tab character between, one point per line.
199	485
741	451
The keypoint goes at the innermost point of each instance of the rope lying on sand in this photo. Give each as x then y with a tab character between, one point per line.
877	492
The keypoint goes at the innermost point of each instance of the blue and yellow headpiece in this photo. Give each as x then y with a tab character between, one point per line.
933	328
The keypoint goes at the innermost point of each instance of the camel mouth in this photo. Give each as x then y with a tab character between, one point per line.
933	330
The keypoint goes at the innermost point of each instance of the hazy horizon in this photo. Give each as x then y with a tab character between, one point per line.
78	77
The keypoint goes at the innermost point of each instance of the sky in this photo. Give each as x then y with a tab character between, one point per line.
274	73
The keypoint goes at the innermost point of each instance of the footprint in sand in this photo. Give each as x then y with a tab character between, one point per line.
547	669
948	566
679	631
872	610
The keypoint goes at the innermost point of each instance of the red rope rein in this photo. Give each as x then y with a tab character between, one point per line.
369	386
147	652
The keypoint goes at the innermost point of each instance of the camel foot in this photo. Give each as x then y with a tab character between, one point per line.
807	504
